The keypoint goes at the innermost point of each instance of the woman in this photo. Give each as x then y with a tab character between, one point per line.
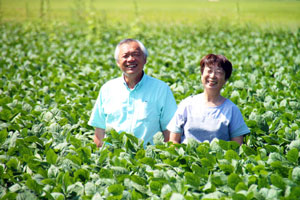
209	115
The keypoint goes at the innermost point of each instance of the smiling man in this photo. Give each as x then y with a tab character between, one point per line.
135	102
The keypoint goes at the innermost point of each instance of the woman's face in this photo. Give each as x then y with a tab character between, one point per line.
213	78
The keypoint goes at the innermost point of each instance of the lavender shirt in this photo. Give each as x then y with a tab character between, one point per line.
193	119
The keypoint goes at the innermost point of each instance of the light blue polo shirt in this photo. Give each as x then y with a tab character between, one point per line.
194	119
144	110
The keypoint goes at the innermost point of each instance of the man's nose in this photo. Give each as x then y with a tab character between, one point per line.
131	58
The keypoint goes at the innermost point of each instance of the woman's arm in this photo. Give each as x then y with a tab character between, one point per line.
238	139
175	137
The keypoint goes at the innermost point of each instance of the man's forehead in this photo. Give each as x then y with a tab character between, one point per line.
130	46
130	43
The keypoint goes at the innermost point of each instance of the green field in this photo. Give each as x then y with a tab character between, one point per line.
266	13
53	63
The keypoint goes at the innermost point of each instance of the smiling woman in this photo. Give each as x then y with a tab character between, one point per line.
208	115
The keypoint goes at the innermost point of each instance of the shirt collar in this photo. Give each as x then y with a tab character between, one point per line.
138	85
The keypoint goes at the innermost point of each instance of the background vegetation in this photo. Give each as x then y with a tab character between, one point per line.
266	13
55	55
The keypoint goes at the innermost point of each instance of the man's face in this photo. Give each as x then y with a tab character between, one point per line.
131	59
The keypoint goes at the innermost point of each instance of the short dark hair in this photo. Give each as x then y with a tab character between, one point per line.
219	60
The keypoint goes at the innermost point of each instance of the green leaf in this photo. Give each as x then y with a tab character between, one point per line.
278	181
84	153
139	180
155	187
241	186
33	139
82	175
90	188
51	157
9	195
199	171
147	161
75	142
3	136
116	189
26	195
293	155
140	154
237	196
67	180
224	144
295	192
233	180
263	182
207	163
227	168
33	185
248	150
74	159
136	195
106	173
279	167
103	156
76	188
230	155
191	179
202	150
12	164
171	162
296	174
217	180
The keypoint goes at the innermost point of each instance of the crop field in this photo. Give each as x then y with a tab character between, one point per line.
52	70
277	13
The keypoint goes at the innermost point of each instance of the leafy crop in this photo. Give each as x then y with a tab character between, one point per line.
50	78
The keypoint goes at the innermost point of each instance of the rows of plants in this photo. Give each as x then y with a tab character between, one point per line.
50	77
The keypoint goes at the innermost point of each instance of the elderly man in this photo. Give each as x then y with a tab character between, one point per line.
135	102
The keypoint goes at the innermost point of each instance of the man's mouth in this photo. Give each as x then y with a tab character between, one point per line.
131	66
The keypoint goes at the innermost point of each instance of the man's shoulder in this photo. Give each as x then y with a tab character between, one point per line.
156	81
112	83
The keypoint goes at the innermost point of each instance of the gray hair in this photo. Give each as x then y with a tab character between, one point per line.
126	41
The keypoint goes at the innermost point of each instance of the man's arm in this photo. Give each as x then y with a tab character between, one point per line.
238	139
99	135
166	135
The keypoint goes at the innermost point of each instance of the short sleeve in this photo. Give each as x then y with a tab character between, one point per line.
168	109
237	125
97	118
177	122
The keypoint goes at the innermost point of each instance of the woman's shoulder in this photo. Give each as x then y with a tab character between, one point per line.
190	100
230	105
